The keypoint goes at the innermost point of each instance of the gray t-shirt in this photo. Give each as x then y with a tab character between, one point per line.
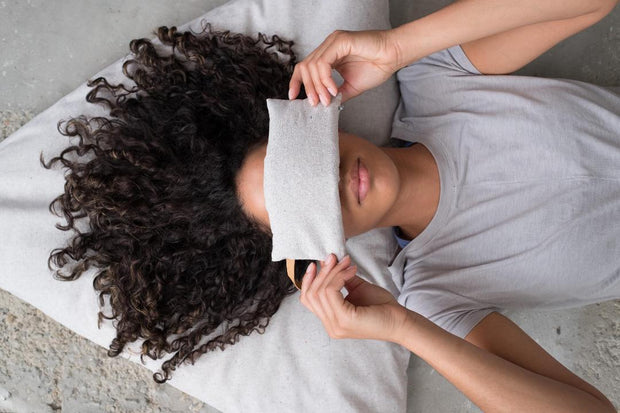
529	210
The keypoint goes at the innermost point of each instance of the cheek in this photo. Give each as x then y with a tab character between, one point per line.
348	224
361	220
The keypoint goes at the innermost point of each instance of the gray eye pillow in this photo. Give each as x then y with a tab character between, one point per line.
301	180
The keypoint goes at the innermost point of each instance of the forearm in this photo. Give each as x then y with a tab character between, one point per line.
491	382
469	20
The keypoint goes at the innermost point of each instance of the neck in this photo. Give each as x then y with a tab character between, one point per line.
418	195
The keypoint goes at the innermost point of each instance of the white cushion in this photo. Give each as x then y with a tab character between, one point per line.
294	365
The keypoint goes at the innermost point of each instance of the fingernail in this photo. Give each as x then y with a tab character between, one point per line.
332	91
312	100
308	269
290	94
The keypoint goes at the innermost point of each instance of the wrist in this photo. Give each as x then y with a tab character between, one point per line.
394	42
411	43
401	44
405	327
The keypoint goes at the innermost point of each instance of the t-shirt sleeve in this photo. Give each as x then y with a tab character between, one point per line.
431	86
462	61
452	312
460	324
452	59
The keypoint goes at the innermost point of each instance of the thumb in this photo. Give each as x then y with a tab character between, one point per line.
348	91
359	293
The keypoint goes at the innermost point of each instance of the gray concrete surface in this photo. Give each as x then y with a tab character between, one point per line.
47	48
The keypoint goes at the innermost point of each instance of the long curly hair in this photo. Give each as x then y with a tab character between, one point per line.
150	194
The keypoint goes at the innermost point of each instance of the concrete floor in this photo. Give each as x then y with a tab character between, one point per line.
47	48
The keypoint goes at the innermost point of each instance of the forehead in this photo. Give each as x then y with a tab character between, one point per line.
250	184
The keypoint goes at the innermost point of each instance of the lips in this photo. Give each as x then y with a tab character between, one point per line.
360	181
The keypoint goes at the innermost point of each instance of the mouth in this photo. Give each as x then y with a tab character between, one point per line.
360	181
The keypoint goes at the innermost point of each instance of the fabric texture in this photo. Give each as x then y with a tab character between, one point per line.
294	365
529	208
301	180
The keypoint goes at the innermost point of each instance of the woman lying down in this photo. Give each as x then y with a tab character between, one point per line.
506	197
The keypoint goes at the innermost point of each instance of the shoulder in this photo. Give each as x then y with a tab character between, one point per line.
436	82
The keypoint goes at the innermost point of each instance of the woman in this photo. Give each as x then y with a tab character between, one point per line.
547	195
183	247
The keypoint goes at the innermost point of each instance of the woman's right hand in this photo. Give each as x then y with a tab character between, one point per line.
364	59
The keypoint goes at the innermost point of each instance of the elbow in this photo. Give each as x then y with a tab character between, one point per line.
608	405
603	9
606	7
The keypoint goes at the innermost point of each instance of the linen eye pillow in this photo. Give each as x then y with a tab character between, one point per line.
301	176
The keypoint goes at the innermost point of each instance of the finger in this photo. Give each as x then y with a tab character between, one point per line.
337	275
309	86
336	282
354	289
353	284
330	263
327	260
315	290
294	84
319	87
325	73
324	297
312	302
320	63
351	272
327	56
363	293
306	283
335	308
348	91
331	279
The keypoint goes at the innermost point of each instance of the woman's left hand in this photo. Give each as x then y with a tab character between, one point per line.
367	312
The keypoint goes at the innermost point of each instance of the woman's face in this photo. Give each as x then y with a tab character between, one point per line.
358	215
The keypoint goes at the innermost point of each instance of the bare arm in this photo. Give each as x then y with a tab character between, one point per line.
500	336
512	373
499	367
497	36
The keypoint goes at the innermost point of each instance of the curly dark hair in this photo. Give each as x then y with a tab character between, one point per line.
154	183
